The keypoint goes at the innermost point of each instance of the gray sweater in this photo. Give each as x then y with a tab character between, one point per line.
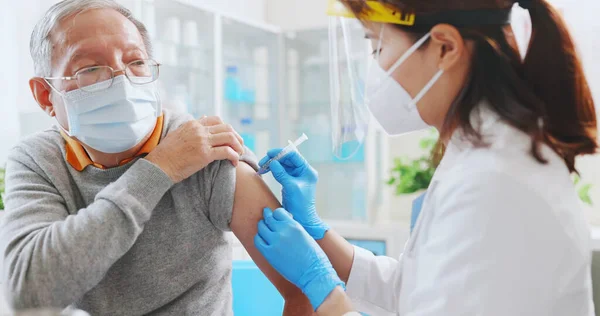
121	241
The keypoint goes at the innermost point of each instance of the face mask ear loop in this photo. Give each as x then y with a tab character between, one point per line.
426	89
66	110
408	53
53	88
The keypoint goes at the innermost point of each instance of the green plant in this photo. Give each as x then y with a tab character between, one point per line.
583	190
2	173
410	176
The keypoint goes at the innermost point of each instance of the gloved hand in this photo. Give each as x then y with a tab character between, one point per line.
299	182
296	255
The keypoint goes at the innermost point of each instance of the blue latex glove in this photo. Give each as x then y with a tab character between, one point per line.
299	182
296	256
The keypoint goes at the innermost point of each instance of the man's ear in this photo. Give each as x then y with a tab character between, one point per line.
450	43
41	93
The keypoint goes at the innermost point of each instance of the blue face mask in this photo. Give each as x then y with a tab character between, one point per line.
113	120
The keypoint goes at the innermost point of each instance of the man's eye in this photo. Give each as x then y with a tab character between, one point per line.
89	70
138	63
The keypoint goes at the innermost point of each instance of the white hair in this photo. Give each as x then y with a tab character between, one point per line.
40	45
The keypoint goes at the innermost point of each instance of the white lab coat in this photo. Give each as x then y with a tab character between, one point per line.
499	234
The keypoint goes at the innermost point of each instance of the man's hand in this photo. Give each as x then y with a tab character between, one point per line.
195	145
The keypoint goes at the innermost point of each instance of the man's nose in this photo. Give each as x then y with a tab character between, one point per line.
119	67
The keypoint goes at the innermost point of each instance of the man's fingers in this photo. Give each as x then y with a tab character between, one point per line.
210	120
225	153
227	139
225	128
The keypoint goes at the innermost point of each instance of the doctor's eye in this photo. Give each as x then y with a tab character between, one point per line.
376	52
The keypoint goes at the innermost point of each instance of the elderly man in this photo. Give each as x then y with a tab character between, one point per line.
122	209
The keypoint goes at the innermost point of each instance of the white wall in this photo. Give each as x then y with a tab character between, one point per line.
18	19
8	109
253	10
296	15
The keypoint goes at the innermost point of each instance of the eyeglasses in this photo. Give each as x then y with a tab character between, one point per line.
98	78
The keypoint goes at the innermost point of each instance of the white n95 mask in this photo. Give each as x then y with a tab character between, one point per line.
391	105
112	120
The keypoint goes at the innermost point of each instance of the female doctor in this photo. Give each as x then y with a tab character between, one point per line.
501	231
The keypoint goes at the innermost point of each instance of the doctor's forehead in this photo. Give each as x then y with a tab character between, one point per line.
95	29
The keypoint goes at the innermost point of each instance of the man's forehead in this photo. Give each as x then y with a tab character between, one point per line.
81	29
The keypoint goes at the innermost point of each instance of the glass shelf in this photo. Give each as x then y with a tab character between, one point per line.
251	83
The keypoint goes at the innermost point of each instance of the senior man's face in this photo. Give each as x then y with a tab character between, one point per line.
100	37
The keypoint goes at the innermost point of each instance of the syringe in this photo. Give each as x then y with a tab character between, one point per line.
289	148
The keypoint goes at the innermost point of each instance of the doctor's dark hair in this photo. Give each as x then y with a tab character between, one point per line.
546	96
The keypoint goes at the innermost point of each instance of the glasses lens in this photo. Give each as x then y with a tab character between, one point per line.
94	78
142	71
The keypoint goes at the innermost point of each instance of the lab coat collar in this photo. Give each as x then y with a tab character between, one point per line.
484	120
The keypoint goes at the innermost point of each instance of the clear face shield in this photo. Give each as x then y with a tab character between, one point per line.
348	71
359	86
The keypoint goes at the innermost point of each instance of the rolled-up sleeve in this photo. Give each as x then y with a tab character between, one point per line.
218	181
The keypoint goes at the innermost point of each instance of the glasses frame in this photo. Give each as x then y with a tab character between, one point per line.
113	74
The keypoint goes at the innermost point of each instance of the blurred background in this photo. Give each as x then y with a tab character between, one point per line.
263	66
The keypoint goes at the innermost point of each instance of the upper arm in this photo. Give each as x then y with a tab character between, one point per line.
485	250
242	214
251	196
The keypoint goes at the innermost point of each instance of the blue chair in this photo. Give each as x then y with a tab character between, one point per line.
253	293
